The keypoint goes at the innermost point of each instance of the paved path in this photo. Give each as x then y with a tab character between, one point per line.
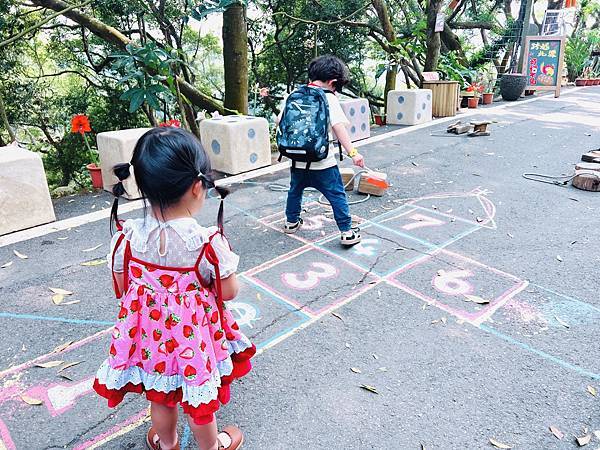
471	305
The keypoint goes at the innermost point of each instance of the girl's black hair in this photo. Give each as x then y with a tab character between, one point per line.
166	162
328	67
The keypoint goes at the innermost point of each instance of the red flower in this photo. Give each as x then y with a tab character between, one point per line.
171	123
80	124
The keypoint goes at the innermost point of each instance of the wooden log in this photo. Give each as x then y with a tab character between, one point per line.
587	180
587	166
347	174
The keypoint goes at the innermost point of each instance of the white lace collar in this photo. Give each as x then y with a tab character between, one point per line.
137	231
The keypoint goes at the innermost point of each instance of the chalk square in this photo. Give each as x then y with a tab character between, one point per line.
262	316
318	225
426	227
381	251
539	317
461	286
312	280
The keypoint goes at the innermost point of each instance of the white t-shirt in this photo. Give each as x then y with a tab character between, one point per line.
184	239
336	116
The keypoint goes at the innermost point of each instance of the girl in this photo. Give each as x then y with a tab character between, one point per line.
174	339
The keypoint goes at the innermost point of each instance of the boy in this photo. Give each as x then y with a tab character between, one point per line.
330	74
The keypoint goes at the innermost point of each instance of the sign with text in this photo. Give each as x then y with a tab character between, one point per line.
544	56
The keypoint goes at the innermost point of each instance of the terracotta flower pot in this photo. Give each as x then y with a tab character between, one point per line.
473	101
579	82
379	119
488	98
96	175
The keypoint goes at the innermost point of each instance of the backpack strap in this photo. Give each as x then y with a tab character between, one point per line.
126	259
209	253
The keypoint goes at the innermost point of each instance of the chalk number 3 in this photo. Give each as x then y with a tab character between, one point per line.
311	278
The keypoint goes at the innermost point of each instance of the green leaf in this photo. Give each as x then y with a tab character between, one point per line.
136	101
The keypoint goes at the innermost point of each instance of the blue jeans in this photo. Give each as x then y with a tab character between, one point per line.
329	183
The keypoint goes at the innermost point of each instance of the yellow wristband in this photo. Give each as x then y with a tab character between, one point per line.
352	153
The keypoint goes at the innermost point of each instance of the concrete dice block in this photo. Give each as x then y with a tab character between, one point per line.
116	147
358	114
236	144
409	107
24	193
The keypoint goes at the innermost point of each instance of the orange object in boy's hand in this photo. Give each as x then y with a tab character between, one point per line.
358	160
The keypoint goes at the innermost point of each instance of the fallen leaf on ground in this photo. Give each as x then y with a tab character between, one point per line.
435	321
444	320
355	370
258	296
92	248
383	369
498	444
20	255
57	299
415	164
510	235
348	345
375	356
96	262
372	389
60	291
72	302
31	400
559	258
64	238
8	264
49	364
66	377
557	433
62	347
479	219
574	242
476	299
584	440
562	322
592	390
66	366
337	316
597	434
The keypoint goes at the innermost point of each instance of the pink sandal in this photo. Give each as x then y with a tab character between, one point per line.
230	438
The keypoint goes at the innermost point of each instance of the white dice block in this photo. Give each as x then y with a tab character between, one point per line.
358	114
409	107
24	193
236	144
116	147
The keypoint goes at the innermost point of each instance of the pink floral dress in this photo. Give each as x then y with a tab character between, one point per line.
174	339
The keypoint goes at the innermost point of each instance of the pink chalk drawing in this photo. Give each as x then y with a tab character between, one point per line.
61	397
6	443
453	282
120	429
311	278
422	220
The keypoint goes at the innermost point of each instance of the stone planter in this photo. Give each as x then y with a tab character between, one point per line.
512	86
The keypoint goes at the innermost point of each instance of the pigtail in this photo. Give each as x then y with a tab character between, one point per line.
122	172
223	192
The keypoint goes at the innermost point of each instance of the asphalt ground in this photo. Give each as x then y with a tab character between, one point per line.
471	308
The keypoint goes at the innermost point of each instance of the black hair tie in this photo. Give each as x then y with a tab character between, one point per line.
122	172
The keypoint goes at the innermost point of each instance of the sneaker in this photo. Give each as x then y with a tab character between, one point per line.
351	237
291	228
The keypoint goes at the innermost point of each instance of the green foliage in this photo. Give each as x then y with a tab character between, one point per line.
207	7
578	52
144	69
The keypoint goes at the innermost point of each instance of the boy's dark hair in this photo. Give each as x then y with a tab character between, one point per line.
166	163
328	67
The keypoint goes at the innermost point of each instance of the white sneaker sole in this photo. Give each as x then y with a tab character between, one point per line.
350	242
287	230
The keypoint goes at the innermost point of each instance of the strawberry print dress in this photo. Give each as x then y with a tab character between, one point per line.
174	338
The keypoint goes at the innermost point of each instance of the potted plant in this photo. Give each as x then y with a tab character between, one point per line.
475	89
81	124
379	119
489	81
512	86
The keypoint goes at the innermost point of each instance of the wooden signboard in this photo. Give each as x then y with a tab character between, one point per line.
544	59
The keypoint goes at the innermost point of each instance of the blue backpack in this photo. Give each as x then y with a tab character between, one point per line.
303	132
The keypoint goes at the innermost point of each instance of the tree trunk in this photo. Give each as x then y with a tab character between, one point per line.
235	58
4	119
434	42
388	31
115	37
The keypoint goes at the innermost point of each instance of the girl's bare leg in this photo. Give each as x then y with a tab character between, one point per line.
164	422
205	435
